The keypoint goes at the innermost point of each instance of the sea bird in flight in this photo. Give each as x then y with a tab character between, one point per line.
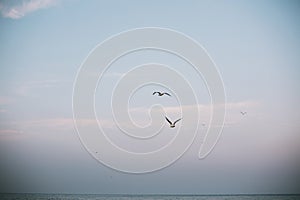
172	125
243	113
161	93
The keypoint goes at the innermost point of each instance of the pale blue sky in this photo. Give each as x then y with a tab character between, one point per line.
255	45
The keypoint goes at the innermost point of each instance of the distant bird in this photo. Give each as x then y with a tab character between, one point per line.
203	124
172	125
243	113
161	93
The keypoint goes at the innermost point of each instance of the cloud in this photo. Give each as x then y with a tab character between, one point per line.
233	109
11	134
25	89
58	124
5	100
24	128
9	131
3	111
233	117
17	10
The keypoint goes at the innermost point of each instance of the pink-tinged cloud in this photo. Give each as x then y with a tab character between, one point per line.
3	111
59	124
233	109
6	100
9	131
11	134
21	9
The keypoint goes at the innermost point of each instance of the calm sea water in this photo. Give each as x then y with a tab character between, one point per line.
143	197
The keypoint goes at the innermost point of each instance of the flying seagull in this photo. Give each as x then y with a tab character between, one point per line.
172	125
161	93
243	113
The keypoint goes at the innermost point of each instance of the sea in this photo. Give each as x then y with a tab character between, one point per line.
143	197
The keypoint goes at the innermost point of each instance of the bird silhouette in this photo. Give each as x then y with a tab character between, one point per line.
243	113
172	125
161	93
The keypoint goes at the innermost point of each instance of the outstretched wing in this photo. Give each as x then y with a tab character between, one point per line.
166	93
177	121
168	121
154	93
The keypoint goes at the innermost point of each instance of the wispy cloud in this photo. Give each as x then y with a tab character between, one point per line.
233	109
9	131
4	100
3	111
11	134
18	9
57	124
67	124
26	87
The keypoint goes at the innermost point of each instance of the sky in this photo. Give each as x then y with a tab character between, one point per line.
254	44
